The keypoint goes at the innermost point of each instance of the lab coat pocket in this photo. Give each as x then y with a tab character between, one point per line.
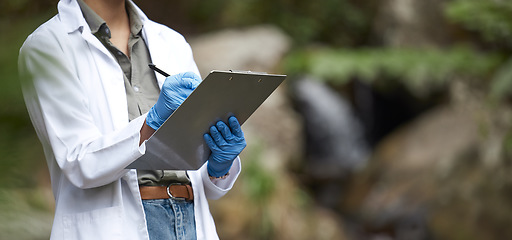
98	224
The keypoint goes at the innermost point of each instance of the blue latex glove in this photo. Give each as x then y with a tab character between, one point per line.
175	90
226	143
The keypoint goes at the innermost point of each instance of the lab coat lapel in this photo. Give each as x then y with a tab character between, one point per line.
156	45
111	76
96	44
71	15
156	49
110	72
112	80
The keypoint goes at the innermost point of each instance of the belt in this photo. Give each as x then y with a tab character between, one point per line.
173	191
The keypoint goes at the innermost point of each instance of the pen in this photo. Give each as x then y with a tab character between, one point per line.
158	70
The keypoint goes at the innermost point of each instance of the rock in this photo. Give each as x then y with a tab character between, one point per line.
258	48
410	23
446	174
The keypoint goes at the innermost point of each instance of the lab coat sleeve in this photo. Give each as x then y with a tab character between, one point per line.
59	110
215	189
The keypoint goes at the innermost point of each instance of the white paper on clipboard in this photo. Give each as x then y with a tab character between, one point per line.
178	144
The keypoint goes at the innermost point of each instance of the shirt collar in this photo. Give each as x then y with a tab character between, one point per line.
93	20
135	20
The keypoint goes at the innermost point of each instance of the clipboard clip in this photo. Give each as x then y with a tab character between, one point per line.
247	72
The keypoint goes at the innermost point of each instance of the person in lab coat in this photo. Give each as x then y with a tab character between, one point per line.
93	103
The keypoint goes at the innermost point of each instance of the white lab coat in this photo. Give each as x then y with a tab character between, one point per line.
75	95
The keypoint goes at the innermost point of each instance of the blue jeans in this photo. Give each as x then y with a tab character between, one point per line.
170	219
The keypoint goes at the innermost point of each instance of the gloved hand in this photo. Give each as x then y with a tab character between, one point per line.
226	143
175	90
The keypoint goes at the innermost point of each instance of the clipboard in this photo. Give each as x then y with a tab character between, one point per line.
178	144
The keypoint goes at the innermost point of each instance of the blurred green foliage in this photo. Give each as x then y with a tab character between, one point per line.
26	212
501	86
12	11
422	71
492	19
331	21
259	183
481	55
19	146
304	20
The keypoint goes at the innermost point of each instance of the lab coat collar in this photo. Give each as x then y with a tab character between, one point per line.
70	13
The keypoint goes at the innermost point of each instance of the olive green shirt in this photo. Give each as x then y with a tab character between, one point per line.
141	86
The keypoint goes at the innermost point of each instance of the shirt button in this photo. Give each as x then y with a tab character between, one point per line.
136	89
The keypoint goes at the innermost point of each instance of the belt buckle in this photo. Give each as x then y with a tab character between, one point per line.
171	196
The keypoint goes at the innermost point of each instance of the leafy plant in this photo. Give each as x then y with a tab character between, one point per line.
421	70
492	19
